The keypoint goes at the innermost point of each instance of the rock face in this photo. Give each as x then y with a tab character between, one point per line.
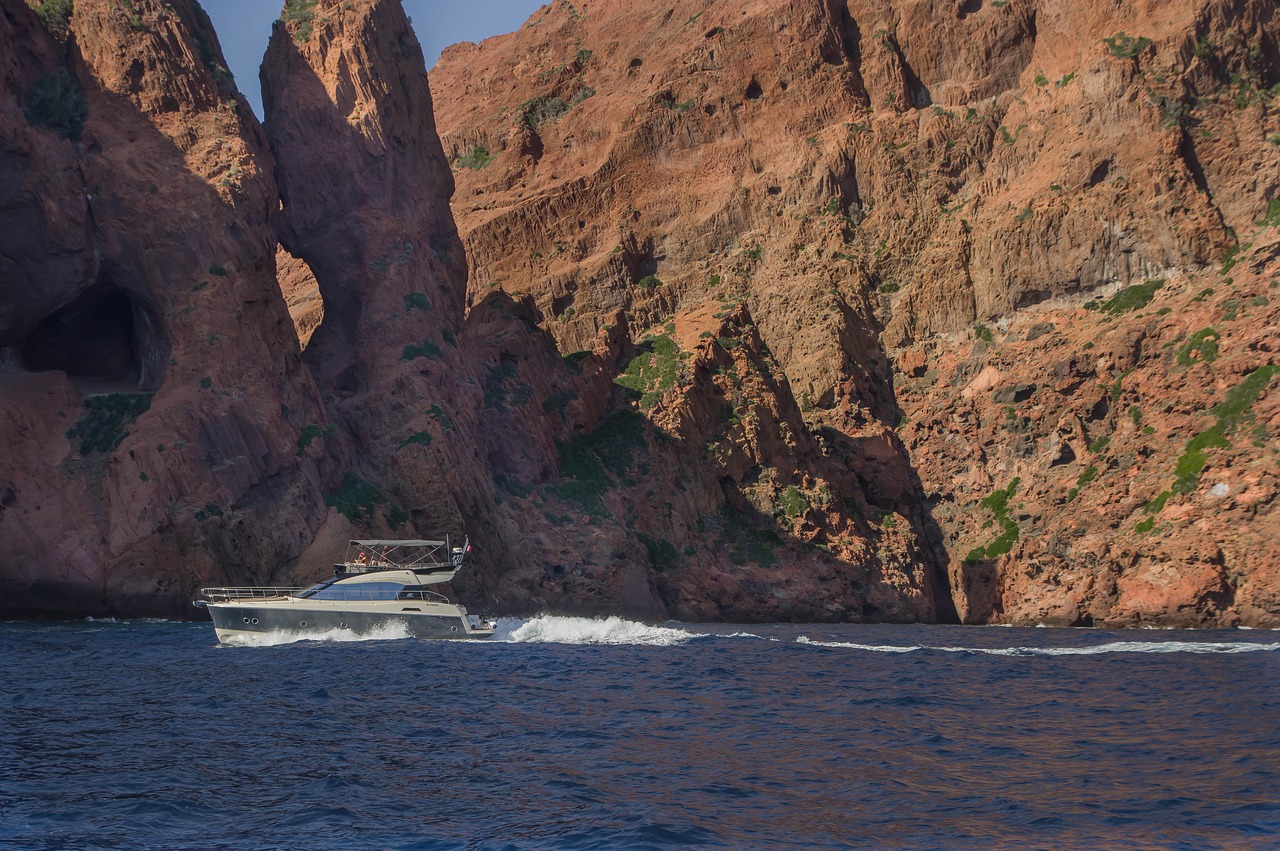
582	502
872	179
772	311
966	159
1111	464
152	386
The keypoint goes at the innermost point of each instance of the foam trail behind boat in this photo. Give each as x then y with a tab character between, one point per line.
1111	647
569	630
387	632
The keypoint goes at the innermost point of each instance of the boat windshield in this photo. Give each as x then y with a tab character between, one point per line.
329	590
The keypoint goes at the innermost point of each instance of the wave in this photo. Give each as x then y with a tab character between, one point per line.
553	629
543	629
129	621
1112	647
388	632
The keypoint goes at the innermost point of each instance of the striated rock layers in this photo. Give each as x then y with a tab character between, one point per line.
881	184
772	311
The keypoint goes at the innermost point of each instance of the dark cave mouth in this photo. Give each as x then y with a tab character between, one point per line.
103	337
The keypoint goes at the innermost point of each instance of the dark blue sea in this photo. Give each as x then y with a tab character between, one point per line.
569	733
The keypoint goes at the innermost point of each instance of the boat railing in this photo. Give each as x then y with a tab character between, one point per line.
222	595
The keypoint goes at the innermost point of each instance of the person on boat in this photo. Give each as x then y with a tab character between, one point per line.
362	557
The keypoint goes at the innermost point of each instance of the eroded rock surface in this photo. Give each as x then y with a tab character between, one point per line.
766	311
1112	463
872	179
152	386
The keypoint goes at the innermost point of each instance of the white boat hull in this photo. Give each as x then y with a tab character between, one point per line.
302	617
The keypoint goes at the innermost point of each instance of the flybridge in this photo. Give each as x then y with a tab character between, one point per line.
422	557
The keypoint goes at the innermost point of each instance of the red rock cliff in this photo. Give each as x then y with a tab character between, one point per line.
875	178
780	310
152	391
594	506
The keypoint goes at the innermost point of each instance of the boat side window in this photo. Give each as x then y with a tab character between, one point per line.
358	591
317	588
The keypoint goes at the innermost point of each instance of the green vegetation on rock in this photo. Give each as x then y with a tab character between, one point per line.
535	112
504	388
417	301
792	502
1132	298
1200	347
998	504
1236	408
308	434
418	438
358	500
586	460
1272	217
56	16
662	553
653	371
106	420
1126	46
56	102
425	349
475	159
745	542
302	13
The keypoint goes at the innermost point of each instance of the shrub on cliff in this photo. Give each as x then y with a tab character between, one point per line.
56	16
1125	46
302	13
1233	411
998	504
1132	298
662	553
792	502
475	159
1272	217
618	444
358	500
653	371
535	112
106	420
55	101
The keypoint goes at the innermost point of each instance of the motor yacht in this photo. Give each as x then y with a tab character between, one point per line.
381	585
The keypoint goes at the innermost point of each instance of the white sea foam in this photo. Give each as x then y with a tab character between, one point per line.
385	632
553	629
1111	647
745	635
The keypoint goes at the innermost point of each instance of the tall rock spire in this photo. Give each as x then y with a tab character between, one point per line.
365	185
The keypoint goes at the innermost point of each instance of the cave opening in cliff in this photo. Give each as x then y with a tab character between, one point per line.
103	337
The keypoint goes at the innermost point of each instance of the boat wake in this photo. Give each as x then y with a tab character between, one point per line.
388	632
552	629
1100	649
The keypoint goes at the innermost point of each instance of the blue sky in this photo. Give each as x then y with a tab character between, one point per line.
245	25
